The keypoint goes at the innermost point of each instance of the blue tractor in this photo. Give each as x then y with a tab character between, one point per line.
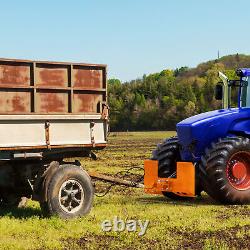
211	151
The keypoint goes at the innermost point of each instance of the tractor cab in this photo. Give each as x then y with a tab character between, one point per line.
223	90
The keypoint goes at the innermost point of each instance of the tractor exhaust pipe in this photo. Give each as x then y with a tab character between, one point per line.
225	100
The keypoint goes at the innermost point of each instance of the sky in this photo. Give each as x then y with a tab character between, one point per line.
133	37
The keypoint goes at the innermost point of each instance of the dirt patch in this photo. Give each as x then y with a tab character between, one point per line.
230	237
234	238
109	242
86	242
233	210
236	209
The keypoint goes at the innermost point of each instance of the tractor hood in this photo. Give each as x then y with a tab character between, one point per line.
199	131
205	117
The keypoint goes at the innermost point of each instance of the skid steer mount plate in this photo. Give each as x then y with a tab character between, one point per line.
182	185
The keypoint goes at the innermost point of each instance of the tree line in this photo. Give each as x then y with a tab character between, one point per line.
158	101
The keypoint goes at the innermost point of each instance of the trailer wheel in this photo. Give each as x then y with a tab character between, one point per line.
70	193
44	207
227	171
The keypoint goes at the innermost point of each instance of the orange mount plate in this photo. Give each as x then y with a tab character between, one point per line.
182	185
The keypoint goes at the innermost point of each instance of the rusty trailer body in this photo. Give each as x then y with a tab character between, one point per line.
52	105
50	111
28	87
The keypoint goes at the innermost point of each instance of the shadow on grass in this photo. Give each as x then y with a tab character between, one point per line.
201	200
20	213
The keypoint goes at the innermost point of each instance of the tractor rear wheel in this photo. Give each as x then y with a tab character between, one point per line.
226	168
167	154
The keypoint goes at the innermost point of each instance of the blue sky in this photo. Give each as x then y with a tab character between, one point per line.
132	37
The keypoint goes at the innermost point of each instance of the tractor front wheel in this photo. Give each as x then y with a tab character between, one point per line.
167	154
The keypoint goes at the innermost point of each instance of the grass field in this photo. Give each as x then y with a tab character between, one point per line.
193	224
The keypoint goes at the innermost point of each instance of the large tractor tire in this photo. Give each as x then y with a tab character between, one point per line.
69	193
167	154
225	170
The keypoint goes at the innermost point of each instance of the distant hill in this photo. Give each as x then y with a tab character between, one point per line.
230	62
158	101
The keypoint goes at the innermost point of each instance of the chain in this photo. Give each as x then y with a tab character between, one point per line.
125	174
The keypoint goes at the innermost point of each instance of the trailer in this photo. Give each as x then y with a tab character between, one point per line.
50	111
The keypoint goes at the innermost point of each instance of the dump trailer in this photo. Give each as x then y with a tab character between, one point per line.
50	111
210	153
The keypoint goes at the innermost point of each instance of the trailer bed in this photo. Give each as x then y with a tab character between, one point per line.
47	105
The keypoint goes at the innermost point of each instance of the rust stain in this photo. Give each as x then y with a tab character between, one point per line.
52	77
88	78
52	103
18	104
98	145
86	102
10	74
49	87
15	102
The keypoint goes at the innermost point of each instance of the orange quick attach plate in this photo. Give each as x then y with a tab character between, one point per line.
182	185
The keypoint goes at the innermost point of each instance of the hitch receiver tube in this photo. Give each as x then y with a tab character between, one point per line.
182	185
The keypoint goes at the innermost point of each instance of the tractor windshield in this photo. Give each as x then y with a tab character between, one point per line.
245	92
234	93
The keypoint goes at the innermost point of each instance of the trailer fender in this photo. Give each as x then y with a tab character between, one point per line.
49	172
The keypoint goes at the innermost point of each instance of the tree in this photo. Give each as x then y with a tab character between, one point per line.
160	100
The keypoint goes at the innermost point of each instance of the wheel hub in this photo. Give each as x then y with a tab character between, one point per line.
71	196
238	170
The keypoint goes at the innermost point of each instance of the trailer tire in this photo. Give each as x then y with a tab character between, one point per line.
226	171
44	207
70	193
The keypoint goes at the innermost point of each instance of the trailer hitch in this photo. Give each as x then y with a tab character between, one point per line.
182	185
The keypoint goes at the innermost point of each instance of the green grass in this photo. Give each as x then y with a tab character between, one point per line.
193	224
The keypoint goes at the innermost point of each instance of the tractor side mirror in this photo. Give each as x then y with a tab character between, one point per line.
218	92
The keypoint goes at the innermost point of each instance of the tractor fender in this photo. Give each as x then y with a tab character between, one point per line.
241	127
